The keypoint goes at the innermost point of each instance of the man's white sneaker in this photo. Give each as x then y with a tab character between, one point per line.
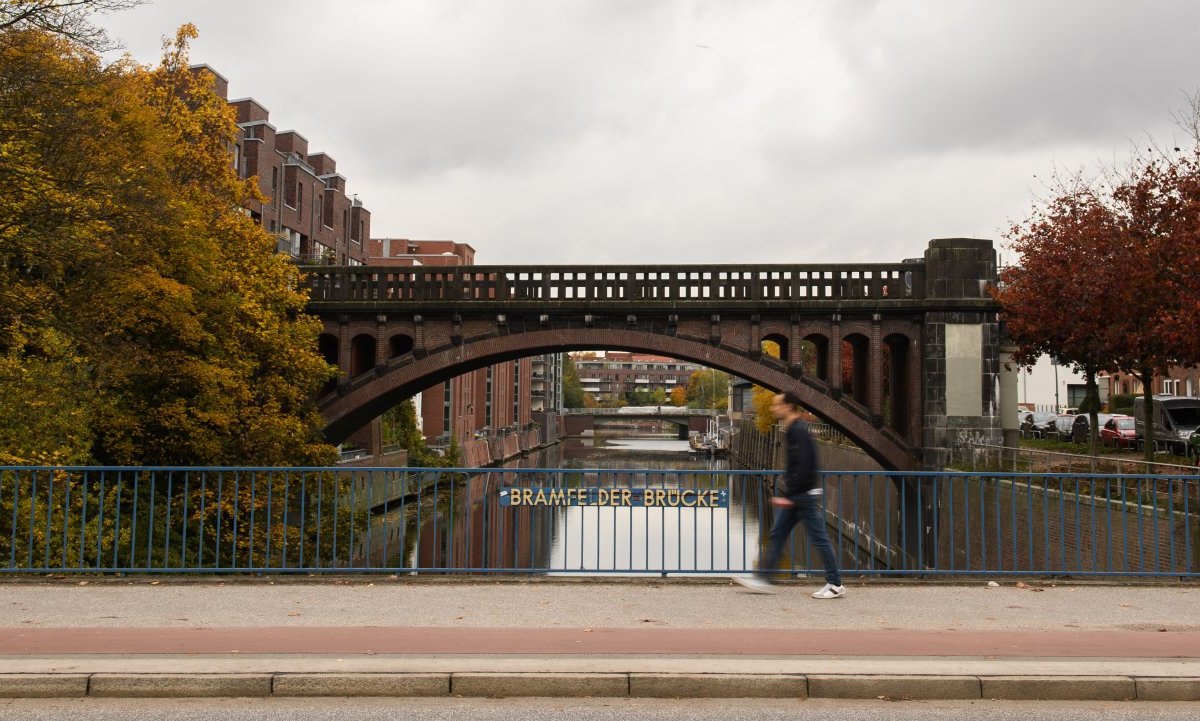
754	584
830	591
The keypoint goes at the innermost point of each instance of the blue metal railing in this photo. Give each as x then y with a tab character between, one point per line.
313	520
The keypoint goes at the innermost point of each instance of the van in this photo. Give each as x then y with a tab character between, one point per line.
1175	420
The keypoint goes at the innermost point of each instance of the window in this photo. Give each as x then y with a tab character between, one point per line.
1170	385
446	395
487	399
274	178
299	197
516	418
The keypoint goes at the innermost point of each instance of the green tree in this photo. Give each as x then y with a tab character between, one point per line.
572	388
400	428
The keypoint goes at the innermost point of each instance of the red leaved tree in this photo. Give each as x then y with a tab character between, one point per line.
1110	278
1053	299
1157	287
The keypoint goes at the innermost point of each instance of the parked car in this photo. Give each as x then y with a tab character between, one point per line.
1119	432
1037	423
1075	427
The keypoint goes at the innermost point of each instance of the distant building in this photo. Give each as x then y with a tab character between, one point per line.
610	375
1179	381
307	207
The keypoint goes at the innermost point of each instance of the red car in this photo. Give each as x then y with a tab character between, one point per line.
1119	432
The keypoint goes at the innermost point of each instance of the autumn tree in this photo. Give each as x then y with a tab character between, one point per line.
708	389
1060	293
131	280
1109	276
763	398
1157	287
678	396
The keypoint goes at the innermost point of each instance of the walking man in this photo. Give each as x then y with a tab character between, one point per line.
801	503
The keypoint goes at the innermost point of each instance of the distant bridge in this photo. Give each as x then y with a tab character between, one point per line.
577	421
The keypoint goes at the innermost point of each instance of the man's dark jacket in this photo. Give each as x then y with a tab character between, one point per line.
800	476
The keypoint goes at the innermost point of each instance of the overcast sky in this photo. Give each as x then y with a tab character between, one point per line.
697	131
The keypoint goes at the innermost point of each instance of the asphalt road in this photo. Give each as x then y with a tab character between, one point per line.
542	709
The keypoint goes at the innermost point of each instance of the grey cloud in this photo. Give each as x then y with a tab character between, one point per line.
692	130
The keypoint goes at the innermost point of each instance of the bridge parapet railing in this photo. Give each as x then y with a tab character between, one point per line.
761	283
986	456
418	520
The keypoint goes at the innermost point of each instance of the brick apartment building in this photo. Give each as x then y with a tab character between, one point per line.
307	207
1179	381
610	375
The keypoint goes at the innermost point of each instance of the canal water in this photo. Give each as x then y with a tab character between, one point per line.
453	524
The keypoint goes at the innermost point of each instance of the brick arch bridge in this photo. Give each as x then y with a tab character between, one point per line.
918	340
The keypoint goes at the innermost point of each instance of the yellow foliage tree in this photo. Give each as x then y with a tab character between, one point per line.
762	398
130	278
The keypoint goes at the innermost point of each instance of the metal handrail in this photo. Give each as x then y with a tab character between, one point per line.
93	519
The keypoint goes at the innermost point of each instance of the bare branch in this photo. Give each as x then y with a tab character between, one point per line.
70	19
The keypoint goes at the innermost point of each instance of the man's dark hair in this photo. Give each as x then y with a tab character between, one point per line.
791	399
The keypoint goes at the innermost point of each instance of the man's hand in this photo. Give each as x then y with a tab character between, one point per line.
781	501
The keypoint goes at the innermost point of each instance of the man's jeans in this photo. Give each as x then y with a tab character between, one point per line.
807	510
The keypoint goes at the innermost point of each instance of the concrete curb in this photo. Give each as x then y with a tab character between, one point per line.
361	684
178	685
644	685
43	685
717	685
894	686
539	684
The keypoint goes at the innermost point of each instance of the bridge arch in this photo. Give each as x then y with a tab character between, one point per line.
368	395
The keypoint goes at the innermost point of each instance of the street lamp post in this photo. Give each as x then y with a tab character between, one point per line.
1057	406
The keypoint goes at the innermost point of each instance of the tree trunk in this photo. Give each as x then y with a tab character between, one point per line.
1148	416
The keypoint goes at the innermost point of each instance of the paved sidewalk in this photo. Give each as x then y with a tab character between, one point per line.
432	636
